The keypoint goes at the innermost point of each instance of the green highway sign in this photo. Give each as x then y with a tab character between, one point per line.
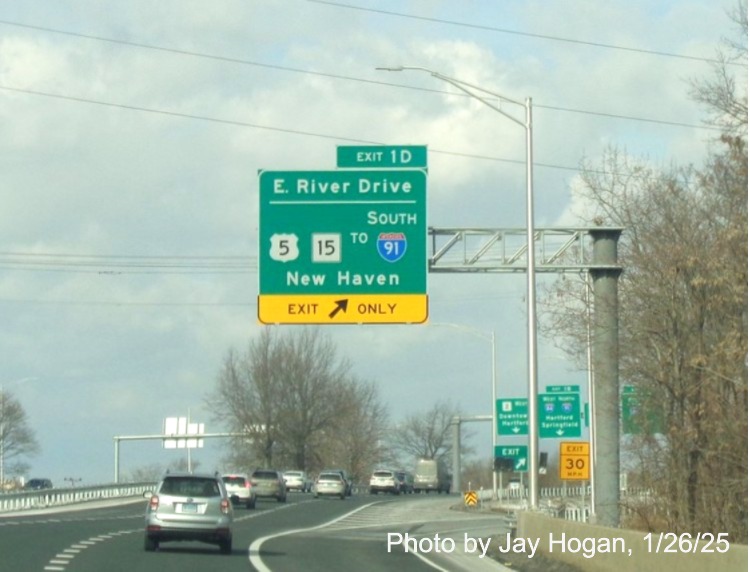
636	419
563	388
512	416
343	247
518	453
559	415
381	157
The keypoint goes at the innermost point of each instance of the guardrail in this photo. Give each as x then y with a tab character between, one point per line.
27	500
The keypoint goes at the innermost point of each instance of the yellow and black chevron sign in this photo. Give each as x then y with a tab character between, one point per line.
470	498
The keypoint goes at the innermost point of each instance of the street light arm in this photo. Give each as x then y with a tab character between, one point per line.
469	89
533	381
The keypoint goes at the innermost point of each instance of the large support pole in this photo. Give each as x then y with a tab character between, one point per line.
117	460
456	480
605	408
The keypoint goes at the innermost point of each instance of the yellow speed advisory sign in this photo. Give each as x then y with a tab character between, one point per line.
342	309
575	461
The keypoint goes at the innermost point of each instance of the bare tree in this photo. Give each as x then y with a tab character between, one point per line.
683	313
359	430
683	318
17	439
427	435
727	108
298	402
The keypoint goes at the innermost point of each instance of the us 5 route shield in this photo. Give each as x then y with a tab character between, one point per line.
343	247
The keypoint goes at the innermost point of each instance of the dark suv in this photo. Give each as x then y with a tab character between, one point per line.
38	484
189	506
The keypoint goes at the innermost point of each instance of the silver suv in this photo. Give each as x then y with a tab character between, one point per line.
189	506
268	483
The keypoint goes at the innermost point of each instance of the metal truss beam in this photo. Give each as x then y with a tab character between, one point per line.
503	250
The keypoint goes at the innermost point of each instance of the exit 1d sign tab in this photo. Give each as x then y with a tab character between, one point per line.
381	157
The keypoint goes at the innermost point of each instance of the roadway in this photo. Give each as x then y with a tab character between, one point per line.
303	534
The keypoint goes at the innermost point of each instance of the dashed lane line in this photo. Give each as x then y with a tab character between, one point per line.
61	560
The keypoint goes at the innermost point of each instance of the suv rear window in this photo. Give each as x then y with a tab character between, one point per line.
190	487
382	474
238	481
330	477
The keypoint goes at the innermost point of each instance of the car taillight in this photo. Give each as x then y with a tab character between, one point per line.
153	503
247	484
224	506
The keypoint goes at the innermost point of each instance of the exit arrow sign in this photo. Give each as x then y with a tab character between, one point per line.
518	453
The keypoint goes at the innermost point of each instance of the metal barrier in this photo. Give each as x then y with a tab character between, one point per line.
46	498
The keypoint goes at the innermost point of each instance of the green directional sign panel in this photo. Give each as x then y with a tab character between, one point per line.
381	157
559	415
513	416
343	247
518	453
636	419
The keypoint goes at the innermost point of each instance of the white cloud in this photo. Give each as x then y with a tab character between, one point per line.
82	178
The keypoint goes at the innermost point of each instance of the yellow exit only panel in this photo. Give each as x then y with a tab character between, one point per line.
343	309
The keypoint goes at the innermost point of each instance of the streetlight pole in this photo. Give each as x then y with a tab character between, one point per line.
491	337
494	101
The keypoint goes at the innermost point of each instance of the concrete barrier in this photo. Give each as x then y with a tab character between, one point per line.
602	549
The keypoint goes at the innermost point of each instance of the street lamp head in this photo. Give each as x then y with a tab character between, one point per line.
394	69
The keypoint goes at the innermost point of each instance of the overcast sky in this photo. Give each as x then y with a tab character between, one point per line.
131	138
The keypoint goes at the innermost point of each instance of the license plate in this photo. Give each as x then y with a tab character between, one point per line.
190	507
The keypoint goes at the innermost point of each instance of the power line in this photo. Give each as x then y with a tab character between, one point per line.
126	264
527	34
256	125
237	123
233	60
115	303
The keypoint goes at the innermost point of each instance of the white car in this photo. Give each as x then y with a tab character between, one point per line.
297	481
330	484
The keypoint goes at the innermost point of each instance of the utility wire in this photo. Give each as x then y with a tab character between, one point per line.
283	130
258	126
241	61
127	264
527	34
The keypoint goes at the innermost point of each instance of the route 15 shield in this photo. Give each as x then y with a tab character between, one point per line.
284	247
392	245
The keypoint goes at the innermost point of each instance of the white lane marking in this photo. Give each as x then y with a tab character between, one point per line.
257	562
62	559
254	550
